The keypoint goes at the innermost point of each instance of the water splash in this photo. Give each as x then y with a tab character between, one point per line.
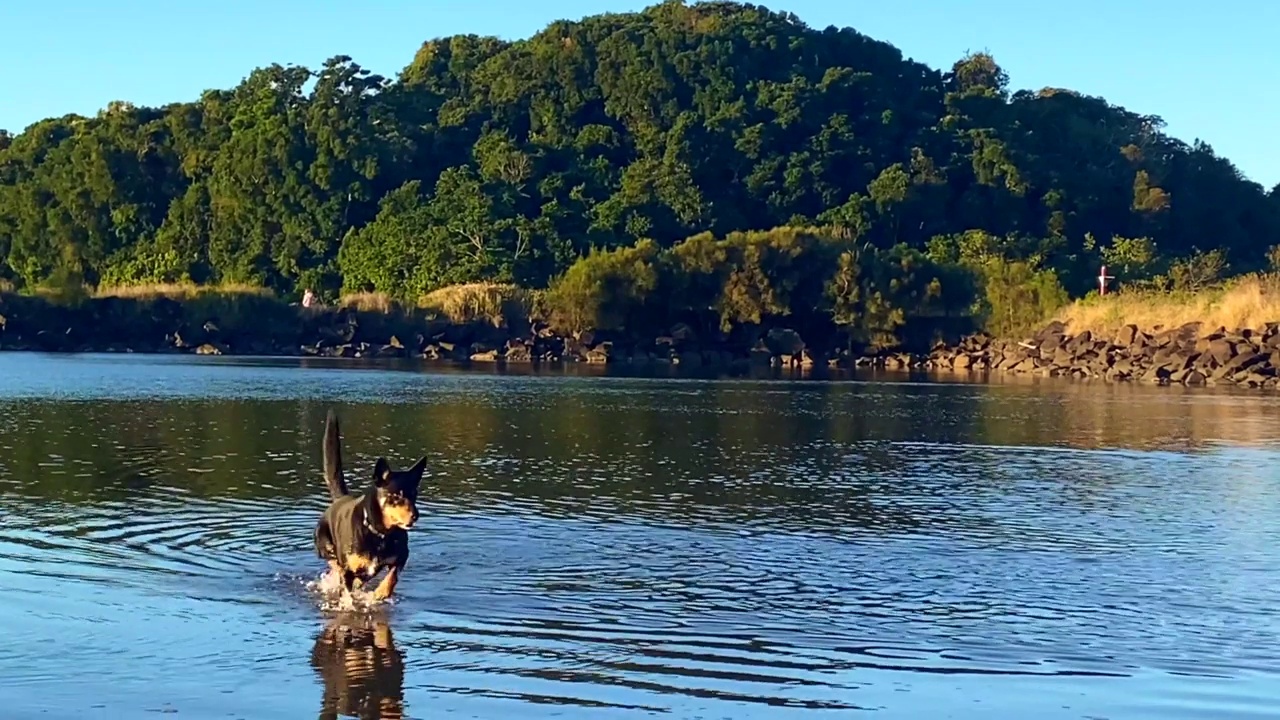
333	597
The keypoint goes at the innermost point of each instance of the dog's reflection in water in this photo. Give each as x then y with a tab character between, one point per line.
362	671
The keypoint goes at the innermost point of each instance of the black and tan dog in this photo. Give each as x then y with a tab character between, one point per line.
361	534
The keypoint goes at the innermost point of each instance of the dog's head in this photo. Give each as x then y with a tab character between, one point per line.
397	492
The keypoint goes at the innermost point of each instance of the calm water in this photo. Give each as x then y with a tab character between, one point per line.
626	547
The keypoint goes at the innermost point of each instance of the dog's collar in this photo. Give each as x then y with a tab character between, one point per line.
369	526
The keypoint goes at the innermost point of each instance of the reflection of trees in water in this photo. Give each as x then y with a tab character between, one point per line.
816	454
108	450
361	669
1134	416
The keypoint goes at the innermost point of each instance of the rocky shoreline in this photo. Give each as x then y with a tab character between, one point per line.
1188	355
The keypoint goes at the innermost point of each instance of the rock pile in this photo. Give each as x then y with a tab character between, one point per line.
1186	354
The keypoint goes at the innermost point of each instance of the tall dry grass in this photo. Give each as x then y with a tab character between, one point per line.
370	302
181	291
483	302
235	306
492	303
1247	301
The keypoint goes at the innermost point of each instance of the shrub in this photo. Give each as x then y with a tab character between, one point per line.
605	290
1016	295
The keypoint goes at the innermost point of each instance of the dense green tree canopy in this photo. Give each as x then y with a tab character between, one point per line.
488	159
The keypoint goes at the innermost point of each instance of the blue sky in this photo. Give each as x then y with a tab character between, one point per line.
1208	69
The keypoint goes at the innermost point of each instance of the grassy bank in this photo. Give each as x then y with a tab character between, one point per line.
459	321
1247	301
494	304
635	298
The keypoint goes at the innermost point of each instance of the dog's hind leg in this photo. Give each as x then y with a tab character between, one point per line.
325	549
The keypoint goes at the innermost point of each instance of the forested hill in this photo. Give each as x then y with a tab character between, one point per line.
488	159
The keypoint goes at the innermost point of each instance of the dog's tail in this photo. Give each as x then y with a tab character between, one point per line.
333	458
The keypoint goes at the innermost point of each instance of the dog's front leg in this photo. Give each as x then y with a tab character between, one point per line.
388	584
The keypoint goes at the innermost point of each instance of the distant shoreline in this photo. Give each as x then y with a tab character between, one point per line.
1188	354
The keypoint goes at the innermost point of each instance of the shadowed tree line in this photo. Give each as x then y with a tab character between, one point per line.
758	166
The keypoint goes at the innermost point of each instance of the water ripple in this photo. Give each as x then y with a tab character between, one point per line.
640	547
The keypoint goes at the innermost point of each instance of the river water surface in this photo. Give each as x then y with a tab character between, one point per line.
625	547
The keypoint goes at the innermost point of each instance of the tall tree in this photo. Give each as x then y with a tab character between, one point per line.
508	160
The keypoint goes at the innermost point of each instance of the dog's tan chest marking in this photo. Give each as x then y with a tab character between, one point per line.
359	564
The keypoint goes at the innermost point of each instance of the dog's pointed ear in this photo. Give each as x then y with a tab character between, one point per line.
417	471
381	472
